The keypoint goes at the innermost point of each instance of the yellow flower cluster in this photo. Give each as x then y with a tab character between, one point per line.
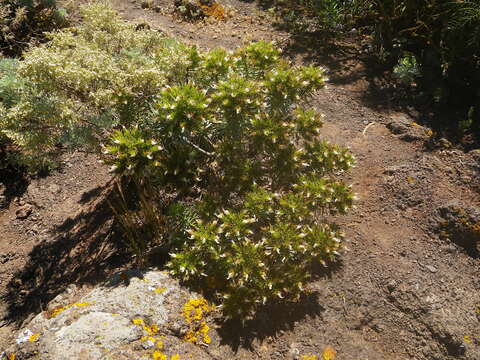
150	330
158	355
328	354
194	312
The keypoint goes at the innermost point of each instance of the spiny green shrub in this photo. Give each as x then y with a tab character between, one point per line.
226	140
131	154
265	247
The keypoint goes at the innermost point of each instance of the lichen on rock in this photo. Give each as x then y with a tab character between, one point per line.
116	320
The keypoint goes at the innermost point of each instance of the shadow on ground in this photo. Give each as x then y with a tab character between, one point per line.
351	63
82	250
13	181
269	322
275	318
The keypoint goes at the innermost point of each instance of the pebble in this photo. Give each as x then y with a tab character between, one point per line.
23	212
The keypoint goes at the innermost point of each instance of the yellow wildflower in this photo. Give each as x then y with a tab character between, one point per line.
34	337
160	290
468	339
151	330
11	356
137	322
190	337
175	357
158	355
309	357
194	312
329	353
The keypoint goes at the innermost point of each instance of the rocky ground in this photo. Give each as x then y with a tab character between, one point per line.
409	288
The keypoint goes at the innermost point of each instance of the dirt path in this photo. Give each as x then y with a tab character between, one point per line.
399	293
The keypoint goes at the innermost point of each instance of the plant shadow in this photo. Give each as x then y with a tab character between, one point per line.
275	318
354	63
82	250
350	61
13	180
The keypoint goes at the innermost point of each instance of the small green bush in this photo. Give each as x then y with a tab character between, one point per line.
222	147
407	69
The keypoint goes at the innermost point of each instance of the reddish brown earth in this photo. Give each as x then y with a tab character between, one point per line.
401	292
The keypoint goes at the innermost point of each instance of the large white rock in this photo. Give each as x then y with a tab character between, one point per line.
100	324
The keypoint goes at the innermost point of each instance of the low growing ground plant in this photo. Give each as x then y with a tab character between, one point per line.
224	142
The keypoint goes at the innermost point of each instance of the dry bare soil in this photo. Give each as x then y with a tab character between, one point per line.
403	291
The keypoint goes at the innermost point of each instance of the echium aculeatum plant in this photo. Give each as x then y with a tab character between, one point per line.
267	178
229	134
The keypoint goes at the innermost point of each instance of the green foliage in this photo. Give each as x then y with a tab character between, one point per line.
131	154
23	20
90	79
225	138
407	69
11	85
264	249
181	217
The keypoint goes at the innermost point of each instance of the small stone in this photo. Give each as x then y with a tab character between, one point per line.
392	170
24	212
431	268
397	127
54	188
412	137
148	344
391	286
451	248
444	143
